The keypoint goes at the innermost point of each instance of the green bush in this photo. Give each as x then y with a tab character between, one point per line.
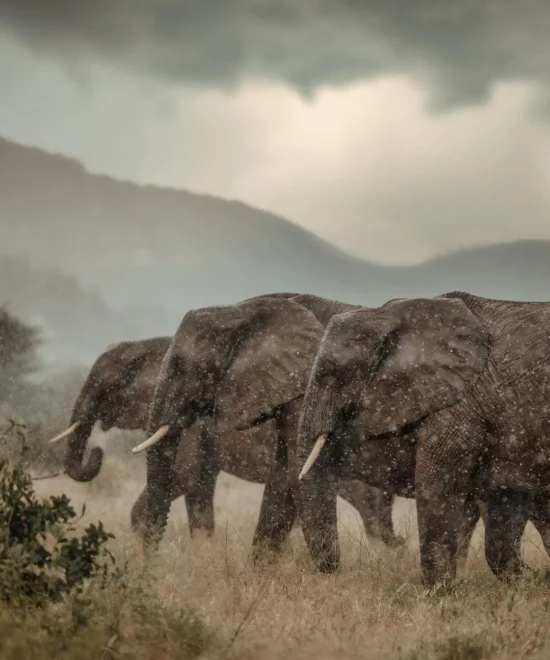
40	557
61	595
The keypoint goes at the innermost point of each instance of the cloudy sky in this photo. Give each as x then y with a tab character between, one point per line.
397	130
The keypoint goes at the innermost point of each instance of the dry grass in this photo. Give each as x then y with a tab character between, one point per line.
375	607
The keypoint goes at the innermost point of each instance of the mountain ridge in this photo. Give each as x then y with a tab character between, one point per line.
151	253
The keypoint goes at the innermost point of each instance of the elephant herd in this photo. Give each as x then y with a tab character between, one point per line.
445	400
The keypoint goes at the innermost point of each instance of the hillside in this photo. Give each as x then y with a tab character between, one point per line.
130	240
144	255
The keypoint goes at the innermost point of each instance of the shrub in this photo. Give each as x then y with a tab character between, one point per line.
61	595
39	560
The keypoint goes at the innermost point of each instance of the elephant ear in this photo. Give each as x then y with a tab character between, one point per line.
271	362
435	351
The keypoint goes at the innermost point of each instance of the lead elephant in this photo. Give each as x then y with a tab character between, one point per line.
469	377
117	394
241	365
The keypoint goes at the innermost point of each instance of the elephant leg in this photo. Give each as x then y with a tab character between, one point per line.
139	510
385	502
200	503
438	528
278	509
138	514
277	516
449	445
507	514
375	508
199	469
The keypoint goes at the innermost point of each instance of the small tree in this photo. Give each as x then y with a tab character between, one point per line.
19	344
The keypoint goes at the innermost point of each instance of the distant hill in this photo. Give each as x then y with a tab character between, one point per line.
146	254
141	242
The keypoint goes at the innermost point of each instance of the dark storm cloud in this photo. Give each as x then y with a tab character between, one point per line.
457	48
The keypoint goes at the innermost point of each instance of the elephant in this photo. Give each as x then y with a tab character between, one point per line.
239	366
117	393
469	378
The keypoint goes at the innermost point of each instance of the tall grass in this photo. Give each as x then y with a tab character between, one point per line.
61	594
375	607
205	598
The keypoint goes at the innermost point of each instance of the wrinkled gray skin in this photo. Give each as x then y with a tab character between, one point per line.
117	393
238	366
469	378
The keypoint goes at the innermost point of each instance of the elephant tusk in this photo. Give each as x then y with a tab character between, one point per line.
317	447
65	433
152	440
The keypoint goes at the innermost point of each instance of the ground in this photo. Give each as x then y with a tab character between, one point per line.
375	607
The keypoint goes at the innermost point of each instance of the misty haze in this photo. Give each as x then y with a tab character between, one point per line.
161	157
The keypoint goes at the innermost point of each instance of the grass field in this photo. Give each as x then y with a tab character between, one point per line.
203	598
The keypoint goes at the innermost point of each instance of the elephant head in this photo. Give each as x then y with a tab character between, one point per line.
234	363
385	370
116	393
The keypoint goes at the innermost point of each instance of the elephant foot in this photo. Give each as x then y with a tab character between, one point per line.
151	542
393	541
328	566
521	570
438	578
263	558
204	532
265	553
326	558
200	520
444	587
438	567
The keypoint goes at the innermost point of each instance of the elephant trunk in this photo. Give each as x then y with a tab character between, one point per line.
84	417
161	458
317	491
160	468
318	516
168	394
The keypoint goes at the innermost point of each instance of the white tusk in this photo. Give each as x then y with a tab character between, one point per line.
152	440
317	447
65	433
